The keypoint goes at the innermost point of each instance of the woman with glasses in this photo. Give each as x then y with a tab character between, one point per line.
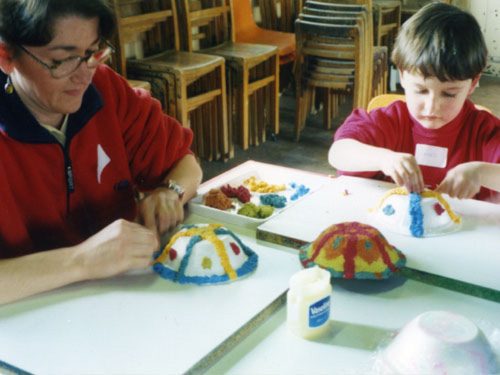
76	142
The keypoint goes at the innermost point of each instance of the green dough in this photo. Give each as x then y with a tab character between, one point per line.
266	211
258	212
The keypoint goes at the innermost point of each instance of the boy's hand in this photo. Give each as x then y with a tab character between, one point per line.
404	170
463	181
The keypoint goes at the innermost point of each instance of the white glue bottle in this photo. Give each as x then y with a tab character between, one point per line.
308	302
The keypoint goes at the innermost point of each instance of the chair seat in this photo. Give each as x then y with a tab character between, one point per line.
253	53
284	41
180	61
387	3
140	84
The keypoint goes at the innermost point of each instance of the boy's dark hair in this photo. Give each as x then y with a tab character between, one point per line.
30	22
443	41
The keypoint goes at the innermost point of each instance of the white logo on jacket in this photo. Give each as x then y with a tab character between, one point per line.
102	160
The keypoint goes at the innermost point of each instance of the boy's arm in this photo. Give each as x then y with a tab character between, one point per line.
354	156
465	180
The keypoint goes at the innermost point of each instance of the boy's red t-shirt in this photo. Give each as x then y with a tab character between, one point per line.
474	135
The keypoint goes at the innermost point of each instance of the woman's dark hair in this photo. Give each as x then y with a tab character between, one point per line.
443	41
30	22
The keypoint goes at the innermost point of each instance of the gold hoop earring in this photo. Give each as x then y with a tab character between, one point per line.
9	89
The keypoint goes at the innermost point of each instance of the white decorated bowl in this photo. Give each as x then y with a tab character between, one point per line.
394	215
438	343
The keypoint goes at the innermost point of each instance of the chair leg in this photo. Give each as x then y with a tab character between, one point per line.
263	105
275	101
213	130
225	140
309	98
243	109
327	109
252	120
300	109
312	104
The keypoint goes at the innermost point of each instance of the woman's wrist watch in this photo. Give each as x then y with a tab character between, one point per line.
172	185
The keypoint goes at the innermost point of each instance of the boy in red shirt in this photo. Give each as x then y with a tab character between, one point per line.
436	139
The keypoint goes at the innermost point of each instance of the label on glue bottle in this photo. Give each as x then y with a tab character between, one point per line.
319	312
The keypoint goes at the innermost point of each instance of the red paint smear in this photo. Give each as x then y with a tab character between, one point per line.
235	248
172	254
438	208
349	255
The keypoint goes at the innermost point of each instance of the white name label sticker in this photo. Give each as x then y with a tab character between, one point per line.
431	156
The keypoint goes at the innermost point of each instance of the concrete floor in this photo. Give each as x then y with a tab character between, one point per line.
310	152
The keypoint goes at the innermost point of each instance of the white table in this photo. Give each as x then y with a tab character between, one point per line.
363	317
141	324
470	255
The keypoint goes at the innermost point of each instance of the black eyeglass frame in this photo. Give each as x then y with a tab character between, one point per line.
57	64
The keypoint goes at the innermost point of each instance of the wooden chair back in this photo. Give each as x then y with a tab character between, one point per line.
328	57
190	87
387	22
360	15
279	15
243	17
252	69
144	28
247	31
352	65
209	23
384	101
378	60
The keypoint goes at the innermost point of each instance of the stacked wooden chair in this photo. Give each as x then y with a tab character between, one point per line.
247	31
252	69
386	25
335	53
191	87
387	22
145	85
279	14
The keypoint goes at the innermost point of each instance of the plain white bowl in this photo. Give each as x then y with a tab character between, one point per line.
438	343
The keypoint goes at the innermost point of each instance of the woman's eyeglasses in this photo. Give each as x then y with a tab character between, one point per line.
63	68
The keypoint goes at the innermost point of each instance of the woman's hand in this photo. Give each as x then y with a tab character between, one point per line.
462	181
119	247
161	211
404	170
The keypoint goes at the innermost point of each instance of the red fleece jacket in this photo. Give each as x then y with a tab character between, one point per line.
53	196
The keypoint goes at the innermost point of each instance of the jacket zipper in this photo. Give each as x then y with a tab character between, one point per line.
70	189
70	182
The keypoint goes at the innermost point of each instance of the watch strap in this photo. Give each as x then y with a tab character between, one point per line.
172	185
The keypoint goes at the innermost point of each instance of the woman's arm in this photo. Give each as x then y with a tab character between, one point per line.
163	209
119	247
188	174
